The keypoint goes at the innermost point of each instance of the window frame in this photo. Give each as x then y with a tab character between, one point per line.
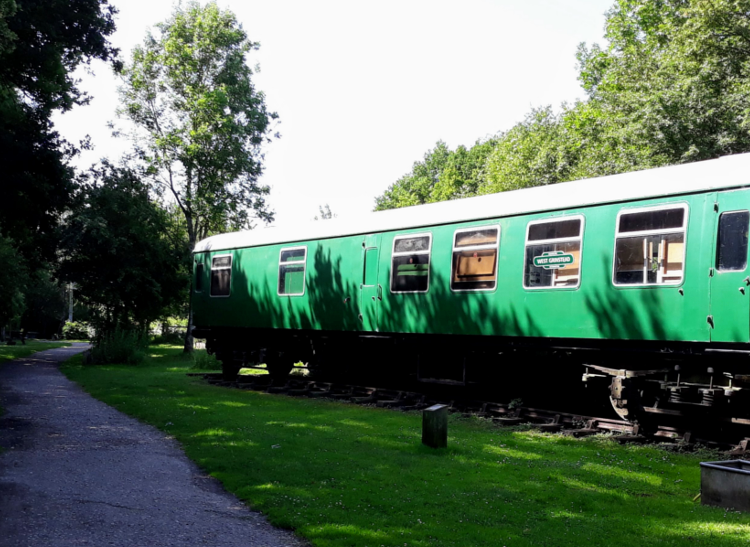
304	270
210	284
481	247
718	243
394	254
644	233
580	237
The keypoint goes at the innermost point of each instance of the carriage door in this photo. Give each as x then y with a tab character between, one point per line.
730	284
370	292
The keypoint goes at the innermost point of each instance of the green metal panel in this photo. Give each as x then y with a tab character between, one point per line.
339	270
730	293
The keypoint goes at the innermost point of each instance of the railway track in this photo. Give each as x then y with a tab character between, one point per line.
502	414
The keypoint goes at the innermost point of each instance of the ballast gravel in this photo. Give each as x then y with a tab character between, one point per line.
74	471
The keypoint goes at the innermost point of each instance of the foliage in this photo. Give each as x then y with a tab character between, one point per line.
671	86
168	338
45	303
203	361
121	346
200	121
12	282
76	330
115	251
365	478
325	213
41	44
442	175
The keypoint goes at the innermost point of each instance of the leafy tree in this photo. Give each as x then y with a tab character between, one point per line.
199	121
45	303
115	251
325	213
442	174
674	80
533	152
41	44
671	86
12	283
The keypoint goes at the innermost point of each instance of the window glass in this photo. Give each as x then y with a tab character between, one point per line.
731	245
553	254
474	265
221	275
662	219
555	230
657	255
292	263
410	267
199	277
412	244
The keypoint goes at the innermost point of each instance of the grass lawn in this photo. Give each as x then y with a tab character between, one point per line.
343	475
8	353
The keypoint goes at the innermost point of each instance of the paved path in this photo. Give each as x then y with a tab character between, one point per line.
74	471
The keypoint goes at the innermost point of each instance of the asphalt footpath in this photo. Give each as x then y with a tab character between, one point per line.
74	471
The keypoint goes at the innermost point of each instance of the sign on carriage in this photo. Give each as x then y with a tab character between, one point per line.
553	260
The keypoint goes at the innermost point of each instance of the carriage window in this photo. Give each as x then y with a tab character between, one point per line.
650	246
474	266
292	271
410	267
553	254
731	247
221	275
199	277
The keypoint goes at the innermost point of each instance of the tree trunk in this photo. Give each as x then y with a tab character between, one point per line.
189	333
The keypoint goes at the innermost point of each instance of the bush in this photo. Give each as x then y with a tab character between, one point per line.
203	361
170	338
76	330
125	347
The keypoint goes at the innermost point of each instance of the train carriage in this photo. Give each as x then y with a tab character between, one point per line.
642	277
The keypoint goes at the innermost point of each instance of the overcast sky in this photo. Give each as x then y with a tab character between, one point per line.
364	89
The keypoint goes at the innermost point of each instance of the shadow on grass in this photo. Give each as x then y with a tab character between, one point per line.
345	475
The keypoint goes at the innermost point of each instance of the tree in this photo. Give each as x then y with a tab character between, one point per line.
41	44
116	252
442	174
325	213
12	283
199	121
671	86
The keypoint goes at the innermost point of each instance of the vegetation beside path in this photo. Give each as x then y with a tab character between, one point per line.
344	475
8	353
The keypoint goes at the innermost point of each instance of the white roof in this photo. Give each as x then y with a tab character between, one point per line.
725	172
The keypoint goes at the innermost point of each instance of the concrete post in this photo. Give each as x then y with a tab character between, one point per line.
435	426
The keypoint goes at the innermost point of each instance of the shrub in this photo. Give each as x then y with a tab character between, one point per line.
120	346
76	330
169	338
203	361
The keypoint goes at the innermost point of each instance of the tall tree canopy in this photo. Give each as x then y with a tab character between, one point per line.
200	122
41	44
671	85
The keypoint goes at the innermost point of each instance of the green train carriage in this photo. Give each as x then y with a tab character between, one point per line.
633	273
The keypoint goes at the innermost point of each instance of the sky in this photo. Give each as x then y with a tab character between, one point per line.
365	89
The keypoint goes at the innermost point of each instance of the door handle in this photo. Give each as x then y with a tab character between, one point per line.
380	291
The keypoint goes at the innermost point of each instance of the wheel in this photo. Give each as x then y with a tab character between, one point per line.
229	368
278	365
